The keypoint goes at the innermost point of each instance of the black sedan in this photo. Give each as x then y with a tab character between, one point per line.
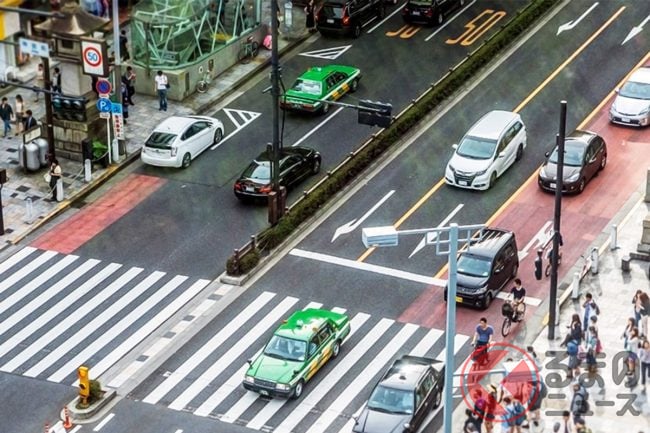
296	163
429	11
585	155
403	397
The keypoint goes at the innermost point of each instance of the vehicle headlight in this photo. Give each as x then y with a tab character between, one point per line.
646	110
480	173
542	172
249	379
451	167
282	386
482	289
174	150
573	177
613	107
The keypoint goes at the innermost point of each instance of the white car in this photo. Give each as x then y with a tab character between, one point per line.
180	139
632	103
486	151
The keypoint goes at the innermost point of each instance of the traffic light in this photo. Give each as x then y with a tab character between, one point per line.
538	265
378	115
84	382
69	108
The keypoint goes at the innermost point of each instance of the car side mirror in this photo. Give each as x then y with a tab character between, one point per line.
501	154
454	146
250	362
547	154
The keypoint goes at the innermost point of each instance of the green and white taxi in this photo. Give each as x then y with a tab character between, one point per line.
297	350
311	91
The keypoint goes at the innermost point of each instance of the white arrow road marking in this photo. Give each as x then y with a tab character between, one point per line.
537	241
636	30
352	225
240	118
571	24
327	53
430	237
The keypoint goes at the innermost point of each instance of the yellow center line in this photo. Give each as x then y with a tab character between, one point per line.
544	83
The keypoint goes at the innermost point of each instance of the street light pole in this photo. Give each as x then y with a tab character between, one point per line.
388	237
559	185
49	121
275	92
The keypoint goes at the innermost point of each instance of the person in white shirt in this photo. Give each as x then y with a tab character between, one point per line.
161	89
644	359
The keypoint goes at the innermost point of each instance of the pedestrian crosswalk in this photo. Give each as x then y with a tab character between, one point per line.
206	379
59	311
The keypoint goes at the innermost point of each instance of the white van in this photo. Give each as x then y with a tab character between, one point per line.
487	150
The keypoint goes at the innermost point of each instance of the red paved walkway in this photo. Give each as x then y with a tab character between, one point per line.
91	220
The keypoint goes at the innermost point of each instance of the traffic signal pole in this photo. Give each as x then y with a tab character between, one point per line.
49	121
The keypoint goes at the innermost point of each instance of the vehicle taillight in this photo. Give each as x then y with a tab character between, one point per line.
239	186
345	19
428	12
405	10
265	189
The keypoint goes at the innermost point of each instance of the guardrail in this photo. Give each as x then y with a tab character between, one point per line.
250	245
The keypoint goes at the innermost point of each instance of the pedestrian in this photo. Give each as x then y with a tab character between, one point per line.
644	358
566	425
56	81
631	324
480	405
537	392
643	303
29	120
309	17
124	46
580	401
161	87
632	347
483	335
471	424
637	306
6	114
591	309
493	402
581	426
40	81
514	415
125	98
518	293
129	79
20	114
55	176
575	331
591	343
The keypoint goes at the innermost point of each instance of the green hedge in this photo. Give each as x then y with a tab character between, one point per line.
271	237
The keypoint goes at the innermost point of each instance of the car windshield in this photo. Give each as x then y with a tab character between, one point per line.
286	348
332	11
635	90
160	140
472	265
391	400
476	148
307	86
573	154
420	2
258	170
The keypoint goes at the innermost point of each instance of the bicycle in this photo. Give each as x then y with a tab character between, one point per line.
508	312
202	85
249	50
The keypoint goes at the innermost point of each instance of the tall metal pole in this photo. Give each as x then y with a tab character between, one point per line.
49	121
559	185
117	73
450	329
275	92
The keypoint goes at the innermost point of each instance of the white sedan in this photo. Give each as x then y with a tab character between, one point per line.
632	103
180	139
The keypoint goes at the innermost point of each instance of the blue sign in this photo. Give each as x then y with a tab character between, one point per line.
104	105
103	87
116	108
34	48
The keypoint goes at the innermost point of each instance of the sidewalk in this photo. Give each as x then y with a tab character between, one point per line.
613	291
22	186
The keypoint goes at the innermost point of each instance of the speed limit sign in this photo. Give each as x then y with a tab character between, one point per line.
93	55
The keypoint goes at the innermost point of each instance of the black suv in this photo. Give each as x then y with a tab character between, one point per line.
346	17
486	267
429	11
404	396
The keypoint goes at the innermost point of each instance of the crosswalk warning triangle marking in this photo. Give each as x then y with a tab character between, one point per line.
327	53
241	118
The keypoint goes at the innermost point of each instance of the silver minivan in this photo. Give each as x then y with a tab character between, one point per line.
486	151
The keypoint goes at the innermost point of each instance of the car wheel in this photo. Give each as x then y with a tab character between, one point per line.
437	399
315	168
488	301
440	18
603	163
354	85
336	349
581	185
520	152
187	160
325	109
218	135
493	179
297	391
357	30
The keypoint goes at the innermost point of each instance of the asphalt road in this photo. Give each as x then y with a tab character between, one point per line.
193	222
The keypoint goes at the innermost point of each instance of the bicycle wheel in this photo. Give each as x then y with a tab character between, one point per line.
547	271
244	55
505	327
201	86
255	48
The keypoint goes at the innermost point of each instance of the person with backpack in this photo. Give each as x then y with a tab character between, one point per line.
572	349
591	344
579	401
514	415
538	391
591	309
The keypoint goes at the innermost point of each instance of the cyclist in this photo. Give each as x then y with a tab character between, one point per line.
518	294
549	253
482	337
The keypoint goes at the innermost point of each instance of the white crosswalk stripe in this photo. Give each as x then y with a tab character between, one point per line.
59	312
216	387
